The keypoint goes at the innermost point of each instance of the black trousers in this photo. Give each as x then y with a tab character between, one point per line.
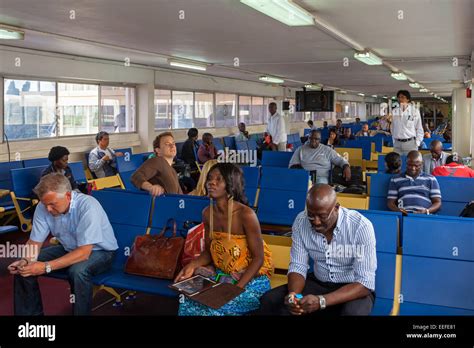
272	303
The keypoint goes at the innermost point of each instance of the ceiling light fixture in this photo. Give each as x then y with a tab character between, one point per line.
313	86
361	94
414	85
186	65
374	95
399	76
368	58
7	33
271	79
285	11
424	90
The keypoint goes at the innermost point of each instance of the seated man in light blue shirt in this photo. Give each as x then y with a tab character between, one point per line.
87	246
341	243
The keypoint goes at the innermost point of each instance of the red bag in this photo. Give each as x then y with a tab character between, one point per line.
194	244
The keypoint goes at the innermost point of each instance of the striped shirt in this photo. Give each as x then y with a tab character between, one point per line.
349	258
414	194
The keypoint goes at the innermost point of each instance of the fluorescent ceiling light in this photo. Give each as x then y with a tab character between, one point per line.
182	64
414	85
284	11
361	94
342	91
313	86
374	95
368	58
394	98
11	34
431	93
399	76
271	79
424	90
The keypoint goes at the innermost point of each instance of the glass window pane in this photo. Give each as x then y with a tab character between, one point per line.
182	109
78	109
118	109
204	115
226	110
162	109
244	109
257	111
29	109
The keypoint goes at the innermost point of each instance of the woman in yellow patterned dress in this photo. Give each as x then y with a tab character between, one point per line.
234	245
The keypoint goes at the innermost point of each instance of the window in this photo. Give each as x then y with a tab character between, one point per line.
29	109
245	104
78	109
162	109
204	110
119	106
226	105
257	111
182	114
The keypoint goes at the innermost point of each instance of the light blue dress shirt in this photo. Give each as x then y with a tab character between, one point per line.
85	223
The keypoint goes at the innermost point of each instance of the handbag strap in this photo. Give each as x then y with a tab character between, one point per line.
230	207
166	227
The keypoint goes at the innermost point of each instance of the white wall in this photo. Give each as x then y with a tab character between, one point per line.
462	122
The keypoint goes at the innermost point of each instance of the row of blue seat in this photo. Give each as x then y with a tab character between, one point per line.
455	193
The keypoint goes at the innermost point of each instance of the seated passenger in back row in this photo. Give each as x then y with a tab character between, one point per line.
242	135
314	156
393	163
156	175
102	158
342	283
207	150
59	156
190	148
414	191
454	168
436	157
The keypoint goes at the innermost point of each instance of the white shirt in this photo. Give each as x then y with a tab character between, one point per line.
407	124
276	128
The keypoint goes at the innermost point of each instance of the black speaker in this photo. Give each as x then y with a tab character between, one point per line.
285	106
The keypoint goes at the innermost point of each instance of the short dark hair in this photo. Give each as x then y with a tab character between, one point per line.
234	180
450	159
193	132
100	135
405	93
57	152
310	122
394	163
272	103
157	141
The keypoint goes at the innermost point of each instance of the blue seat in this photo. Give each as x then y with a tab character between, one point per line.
36	162
179	149
455	194
125	151
447	146
438	264
241	146
386	227
251	177
126	176
77	169
307	131
24	180
381	163
361	143
185	209
282	195
230	143
8	229
378	191
6	182
218	144
276	159
129	163
252	145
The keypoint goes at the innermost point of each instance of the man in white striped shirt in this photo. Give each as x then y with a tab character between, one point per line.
341	243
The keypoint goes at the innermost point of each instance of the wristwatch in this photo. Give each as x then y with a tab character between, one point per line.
322	302
47	268
427	212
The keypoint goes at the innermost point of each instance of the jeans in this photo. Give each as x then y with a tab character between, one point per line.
27	295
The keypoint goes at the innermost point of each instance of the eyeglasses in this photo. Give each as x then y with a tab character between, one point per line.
312	218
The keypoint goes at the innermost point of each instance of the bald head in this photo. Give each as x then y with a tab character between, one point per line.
321	195
415	156
436	144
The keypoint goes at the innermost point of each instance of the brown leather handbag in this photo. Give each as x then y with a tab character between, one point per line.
156	256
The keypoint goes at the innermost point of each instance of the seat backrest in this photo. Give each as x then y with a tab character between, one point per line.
218	143
126	176
361	143
125	151
455	194
36	162
5	178
276	159
251	178
229	142
438	261
128	213
24	180
184	209
252	145
179	149
241	146
282	195
77	169
129	163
